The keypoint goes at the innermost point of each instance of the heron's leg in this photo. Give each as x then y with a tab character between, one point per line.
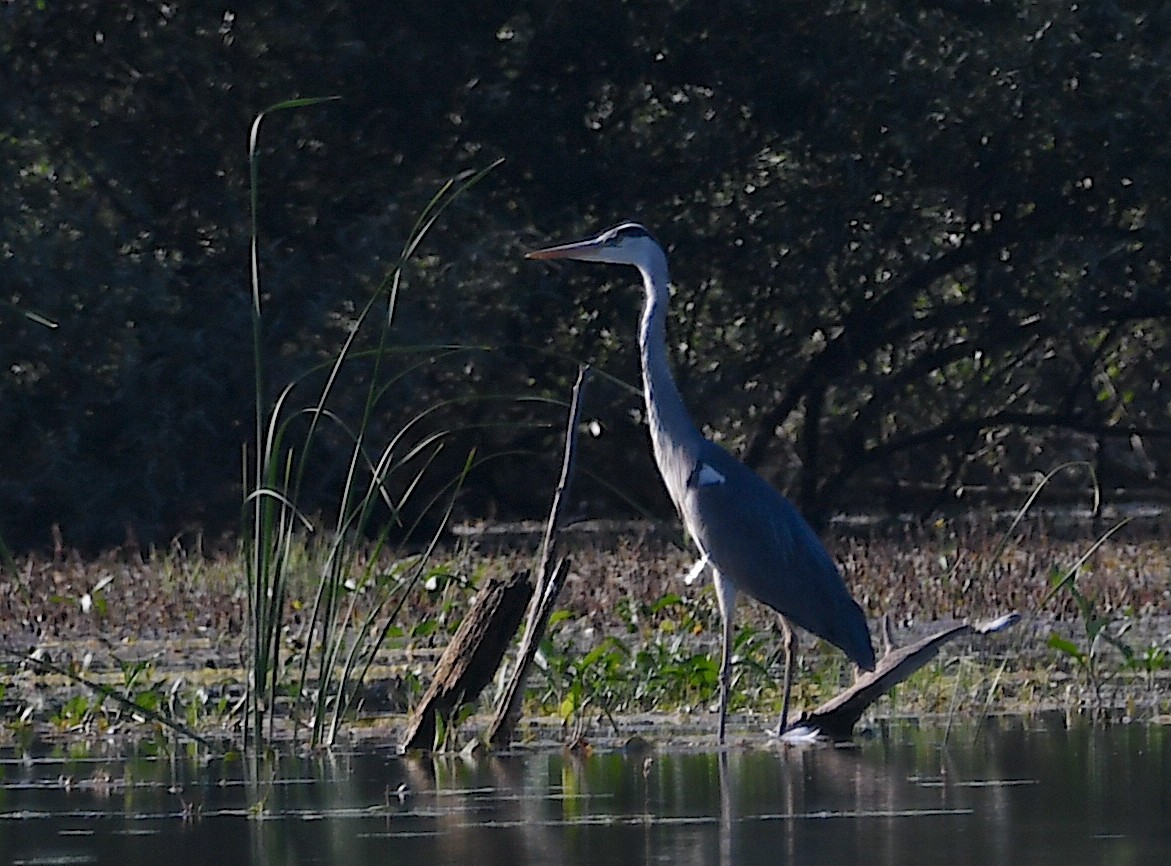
725	674
726	596
787	638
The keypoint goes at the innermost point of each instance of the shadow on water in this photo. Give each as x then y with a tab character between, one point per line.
1020	792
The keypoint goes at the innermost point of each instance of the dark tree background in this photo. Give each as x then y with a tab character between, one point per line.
920	253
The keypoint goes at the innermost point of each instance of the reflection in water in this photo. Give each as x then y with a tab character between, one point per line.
1018	793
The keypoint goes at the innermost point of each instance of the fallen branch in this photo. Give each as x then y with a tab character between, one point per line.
126	702
836	717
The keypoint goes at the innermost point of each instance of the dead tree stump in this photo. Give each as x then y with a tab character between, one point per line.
549	581
473	655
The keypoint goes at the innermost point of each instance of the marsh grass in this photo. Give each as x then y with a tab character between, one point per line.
358	596
1096	627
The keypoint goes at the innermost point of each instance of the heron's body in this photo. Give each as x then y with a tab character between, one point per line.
752	537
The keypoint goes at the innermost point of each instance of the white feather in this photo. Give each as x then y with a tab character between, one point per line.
696	570
708	476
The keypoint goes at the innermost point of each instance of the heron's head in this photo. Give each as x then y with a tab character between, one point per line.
625	244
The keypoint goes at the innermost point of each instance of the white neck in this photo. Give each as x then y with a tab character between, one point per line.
675	438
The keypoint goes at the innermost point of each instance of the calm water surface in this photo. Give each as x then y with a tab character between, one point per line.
1018	792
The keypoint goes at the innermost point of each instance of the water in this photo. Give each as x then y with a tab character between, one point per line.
1019	792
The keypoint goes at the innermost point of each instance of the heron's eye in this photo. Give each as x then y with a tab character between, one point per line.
622	234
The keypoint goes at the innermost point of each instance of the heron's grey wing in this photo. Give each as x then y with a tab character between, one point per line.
759	541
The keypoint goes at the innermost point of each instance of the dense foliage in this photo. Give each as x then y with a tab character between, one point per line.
919	250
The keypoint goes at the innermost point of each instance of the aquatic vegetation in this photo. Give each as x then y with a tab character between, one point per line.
376	498
181	609
1096	647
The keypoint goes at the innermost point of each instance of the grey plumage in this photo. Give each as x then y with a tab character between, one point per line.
752	537
759	541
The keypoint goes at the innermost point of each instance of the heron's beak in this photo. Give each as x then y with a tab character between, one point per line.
582	251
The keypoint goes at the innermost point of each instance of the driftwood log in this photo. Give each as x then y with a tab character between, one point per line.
836	717
470	661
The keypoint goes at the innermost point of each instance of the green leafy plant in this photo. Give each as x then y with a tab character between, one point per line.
1148	662
138	699
75	713
596	682
659	666
448	727
1086	654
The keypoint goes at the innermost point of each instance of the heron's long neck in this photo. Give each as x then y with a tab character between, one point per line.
675	438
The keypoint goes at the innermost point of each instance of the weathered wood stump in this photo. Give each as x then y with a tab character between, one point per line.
499	733
472	657
837	716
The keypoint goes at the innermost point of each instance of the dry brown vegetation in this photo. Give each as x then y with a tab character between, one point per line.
918	577
186	613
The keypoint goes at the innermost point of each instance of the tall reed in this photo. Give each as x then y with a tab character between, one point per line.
342	636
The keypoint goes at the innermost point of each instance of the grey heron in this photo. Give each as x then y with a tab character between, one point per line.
751	537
